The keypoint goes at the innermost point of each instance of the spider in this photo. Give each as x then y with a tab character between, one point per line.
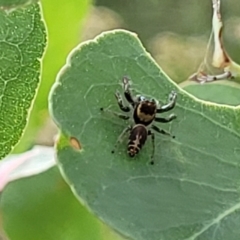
144	115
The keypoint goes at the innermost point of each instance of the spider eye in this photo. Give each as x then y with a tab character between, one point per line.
141	98
153	100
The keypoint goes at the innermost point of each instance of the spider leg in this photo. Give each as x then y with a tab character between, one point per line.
120	103
120	138
127	92
122	116
165	120
171	103
153	146
162	131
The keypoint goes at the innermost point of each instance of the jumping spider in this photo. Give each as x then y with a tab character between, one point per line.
144	114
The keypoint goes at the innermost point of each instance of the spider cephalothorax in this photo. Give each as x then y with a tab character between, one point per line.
144	114
144	111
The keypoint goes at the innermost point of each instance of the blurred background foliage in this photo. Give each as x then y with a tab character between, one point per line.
174	32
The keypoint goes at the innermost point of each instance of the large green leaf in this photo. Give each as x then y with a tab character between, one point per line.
192	191
43	207
22	42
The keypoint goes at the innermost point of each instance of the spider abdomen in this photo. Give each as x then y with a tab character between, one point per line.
137	139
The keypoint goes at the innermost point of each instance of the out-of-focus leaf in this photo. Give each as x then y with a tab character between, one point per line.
64	20
192	191
220	58
22	42
43	207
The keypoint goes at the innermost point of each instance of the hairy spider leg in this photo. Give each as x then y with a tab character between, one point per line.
120	103
122	116
170	105
127	92
153	146
157	129
165	120
120	138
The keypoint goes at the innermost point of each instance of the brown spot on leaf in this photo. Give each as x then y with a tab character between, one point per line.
75	143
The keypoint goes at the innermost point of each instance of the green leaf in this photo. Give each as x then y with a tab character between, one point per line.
223	92
62	39
43	207
192	191
13	3
22	42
